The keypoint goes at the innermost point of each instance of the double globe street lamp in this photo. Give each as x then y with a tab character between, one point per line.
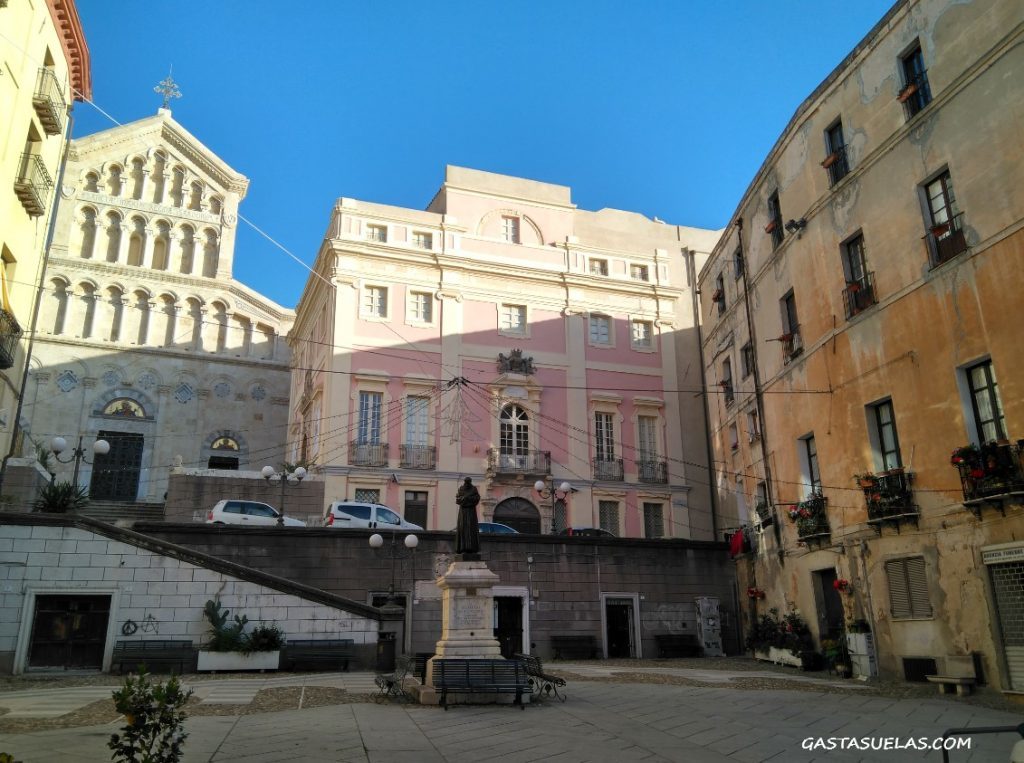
285	478
58	445
393	612
556	494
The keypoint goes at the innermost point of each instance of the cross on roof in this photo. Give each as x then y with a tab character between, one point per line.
168	88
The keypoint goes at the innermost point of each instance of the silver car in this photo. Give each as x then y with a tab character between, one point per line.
251	513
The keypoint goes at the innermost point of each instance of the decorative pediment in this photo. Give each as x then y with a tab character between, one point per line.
515	363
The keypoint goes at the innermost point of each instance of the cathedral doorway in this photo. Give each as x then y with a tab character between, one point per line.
115	476
519	514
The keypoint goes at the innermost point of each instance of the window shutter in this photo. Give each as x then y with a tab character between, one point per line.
917	583
908	588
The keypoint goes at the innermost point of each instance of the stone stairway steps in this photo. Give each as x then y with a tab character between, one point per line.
111	511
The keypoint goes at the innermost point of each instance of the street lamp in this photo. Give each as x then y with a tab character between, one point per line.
411	542
392	614
555	494
290	479
59	444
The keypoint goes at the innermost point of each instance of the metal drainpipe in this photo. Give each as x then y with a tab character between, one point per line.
691	273
16	429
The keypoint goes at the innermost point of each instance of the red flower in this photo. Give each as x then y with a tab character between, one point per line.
977	473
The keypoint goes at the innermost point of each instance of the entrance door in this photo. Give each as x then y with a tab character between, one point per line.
508	624
619	624
115	476
69	632
519	514
829	604
1008	585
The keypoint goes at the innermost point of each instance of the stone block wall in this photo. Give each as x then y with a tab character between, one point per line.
193	493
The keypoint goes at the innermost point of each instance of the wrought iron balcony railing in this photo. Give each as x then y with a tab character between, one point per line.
417	456
888	495
859	295
994	469
32	185
48	100
10	333
654	472
811	519
608	470
367	453
946	240
916	94
792	345
836	165
524	462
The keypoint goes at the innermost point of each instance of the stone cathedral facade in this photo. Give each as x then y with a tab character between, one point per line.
143	338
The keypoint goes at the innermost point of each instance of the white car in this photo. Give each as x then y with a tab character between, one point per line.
346	514
251	513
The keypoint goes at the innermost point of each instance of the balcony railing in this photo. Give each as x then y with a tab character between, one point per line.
811	519
728	392
525	462
792	345
916	94
32	185
48	100
654	472
10	333
888	496
367	453
836	165
608	470
417	456
991	470
859	295
946	240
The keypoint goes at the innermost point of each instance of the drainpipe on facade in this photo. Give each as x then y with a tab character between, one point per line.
16	429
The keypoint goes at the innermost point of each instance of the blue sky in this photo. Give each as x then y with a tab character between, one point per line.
661	107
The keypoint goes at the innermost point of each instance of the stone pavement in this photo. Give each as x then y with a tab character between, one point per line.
601	721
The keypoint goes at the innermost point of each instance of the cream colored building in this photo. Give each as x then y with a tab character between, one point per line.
144	337
45	67
860	324
505	335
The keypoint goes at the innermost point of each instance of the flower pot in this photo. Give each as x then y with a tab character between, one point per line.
908	91
866	482
214	661
830	160
769	227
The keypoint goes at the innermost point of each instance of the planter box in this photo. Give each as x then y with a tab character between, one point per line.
233	661
779	657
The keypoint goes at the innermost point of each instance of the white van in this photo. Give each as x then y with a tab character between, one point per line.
345	514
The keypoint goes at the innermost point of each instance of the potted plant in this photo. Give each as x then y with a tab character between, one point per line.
770	227
867	479
231	648
61	498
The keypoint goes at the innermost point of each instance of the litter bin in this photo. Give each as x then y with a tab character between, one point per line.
386	652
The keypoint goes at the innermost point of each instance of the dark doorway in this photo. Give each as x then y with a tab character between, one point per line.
115	476
519	514
829	604
508	624
223	462
69	632
416	507
619	624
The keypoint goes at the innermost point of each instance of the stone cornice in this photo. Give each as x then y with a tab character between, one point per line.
157	210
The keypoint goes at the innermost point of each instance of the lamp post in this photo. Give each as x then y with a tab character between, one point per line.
377	541
394	614
59	444
555	494
290	479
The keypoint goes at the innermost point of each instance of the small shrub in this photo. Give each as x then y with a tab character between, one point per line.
153	730
264	638
224	637
60	498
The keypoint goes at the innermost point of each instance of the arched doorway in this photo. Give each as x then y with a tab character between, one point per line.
519	514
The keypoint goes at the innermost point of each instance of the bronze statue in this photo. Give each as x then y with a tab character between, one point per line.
467	531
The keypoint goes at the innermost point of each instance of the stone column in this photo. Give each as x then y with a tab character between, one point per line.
123	244
174	251
147	248
160	189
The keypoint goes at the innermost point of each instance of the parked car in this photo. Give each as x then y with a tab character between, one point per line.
346	514
252	513
496	528
587	532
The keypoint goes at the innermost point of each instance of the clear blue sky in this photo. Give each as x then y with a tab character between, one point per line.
661	107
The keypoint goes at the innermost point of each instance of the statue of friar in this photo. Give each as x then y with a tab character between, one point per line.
467	531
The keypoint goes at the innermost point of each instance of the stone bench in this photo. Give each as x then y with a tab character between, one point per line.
958	673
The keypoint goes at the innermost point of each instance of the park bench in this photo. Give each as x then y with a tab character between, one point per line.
575	647
333	654
678	645
485	676
153	653
392	685
540	682
959	674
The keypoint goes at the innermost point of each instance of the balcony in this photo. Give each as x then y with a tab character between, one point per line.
836	165
916	94
728	392
48	100
10	333
527	462
811	520
417	456
992	473
859	295
367	453
652	472
608	470
889	498
792	345
32	185
946	240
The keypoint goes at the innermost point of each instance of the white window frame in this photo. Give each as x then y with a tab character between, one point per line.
377	233
422	239
417	421
591	318
524	331
366	311
602	266
411	308
511	229
640	266
635	344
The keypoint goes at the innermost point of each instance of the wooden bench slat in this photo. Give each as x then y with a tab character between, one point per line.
480	675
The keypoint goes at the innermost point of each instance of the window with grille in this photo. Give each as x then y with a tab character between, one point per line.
908	588
835	154
598	267
510	229
605	436
368	430
638	273
600	329
609	515
513	319
375	301
647	438
643	334
987	407
365	495
377	233
883	420
654	520
422	240
416	410
421	306
916	93
559	521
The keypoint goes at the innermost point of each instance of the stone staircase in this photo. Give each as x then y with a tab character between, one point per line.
115	511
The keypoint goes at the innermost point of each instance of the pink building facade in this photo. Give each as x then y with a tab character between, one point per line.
504	335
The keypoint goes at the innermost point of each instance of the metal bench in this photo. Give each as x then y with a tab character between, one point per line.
541	683
576	647
323	653
678	645
392	685
485	676
153	653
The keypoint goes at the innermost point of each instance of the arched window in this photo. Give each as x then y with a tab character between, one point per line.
115	309
161	246
92	182
515	437
138	175
137	241
225	443
114	180
124	407
188	249
170	311
88	313
215	205
60	306
88	229
519	514
195	315
113	236
178	186
195	199
159	181
210	255
140	317
217	329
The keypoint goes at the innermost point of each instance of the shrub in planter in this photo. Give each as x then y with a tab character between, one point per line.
264	638
60	498
224	636
153	730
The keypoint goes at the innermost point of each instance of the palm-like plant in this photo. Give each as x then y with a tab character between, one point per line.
60	498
